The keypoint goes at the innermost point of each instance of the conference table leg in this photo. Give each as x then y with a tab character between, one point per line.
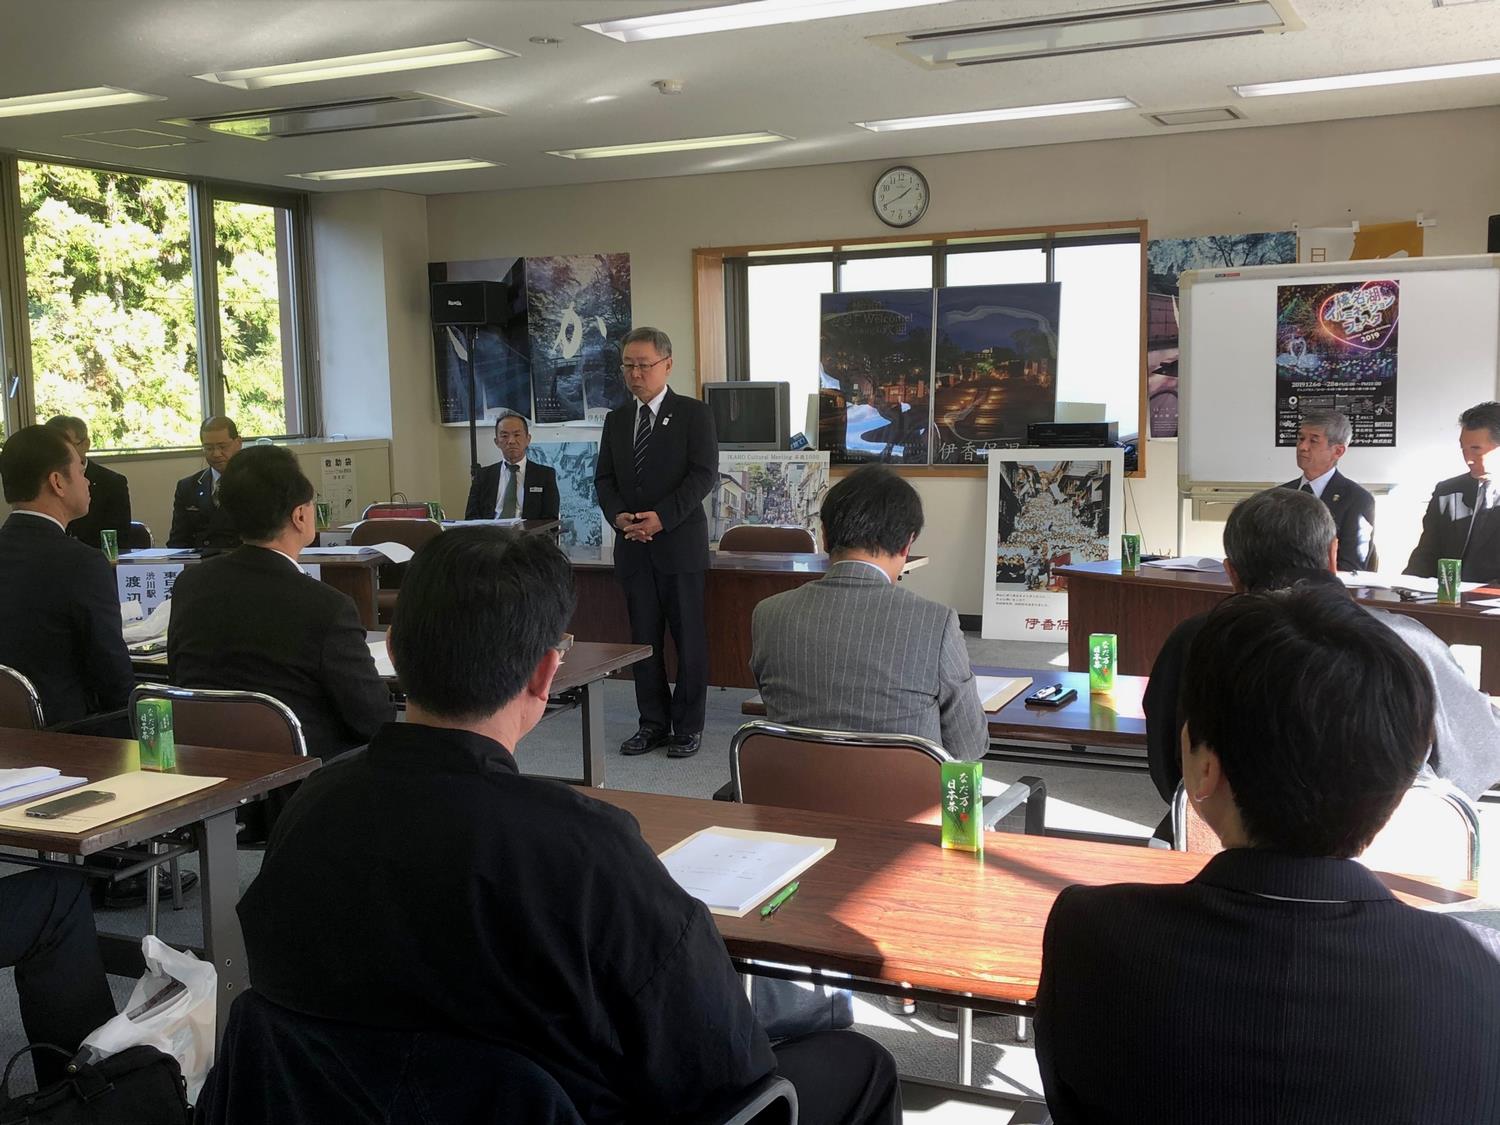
593	734
219	888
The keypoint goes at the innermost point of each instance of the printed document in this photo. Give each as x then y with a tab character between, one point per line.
731	870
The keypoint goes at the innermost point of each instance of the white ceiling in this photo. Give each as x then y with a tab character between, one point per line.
808	81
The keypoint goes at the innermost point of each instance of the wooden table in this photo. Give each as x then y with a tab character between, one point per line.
889	906
208	812
737	582
1144	607
1093	731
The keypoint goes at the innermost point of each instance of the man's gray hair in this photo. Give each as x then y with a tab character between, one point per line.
1275	534
653	336
504	414
1485	416
1334	424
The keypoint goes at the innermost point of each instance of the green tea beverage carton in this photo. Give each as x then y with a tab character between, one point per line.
154	721
1448	575
1103	658
963	806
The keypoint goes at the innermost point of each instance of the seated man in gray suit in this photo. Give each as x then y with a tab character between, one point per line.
856	652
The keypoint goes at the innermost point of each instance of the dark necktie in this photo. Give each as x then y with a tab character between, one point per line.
1305	487
642	436
1481	500
508	502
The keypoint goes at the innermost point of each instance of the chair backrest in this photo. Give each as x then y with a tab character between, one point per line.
275	1065
137	537
1434	831
396	511
20	706
882	776
411	532
232	720
767	539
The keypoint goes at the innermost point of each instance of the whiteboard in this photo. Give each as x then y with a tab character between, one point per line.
1449	359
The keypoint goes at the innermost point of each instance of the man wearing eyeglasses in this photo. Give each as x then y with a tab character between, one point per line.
197	520
658	459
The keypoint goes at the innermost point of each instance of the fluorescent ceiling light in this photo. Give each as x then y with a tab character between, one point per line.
686	144
1477	69
984	116
1188	21
374	171
349	66
734	17
64	100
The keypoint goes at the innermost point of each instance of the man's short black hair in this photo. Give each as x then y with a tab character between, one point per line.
219	422
1320	715
872	509
29	457
504	414
1275	537
74	429
260	489
479	608
1484	416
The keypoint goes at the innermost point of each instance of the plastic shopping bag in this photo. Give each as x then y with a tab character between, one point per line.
171	1008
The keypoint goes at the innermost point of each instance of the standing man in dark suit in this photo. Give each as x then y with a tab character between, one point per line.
253	620
1284	982
1322	438
658	459
109	492
1461	520
60	620
513	486
197	519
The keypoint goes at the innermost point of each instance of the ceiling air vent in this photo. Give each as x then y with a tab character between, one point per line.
384	112
1103	29
138	139
1215	116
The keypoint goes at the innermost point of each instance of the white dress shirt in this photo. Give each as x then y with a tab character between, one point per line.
1318	484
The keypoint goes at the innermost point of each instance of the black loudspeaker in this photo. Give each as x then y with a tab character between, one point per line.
1494	234
468	302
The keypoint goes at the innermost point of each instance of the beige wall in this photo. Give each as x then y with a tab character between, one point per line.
1445	165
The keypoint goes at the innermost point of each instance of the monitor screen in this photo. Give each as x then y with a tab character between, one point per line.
746	416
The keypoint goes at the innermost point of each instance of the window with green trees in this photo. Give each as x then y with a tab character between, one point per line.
126	333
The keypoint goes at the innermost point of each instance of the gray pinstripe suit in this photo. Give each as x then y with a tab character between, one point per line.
853	651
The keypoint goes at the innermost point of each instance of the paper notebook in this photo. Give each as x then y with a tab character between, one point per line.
996	691
134	792
1186	562
731	870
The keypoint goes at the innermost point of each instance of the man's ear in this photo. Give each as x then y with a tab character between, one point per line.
1333	555
1202	772
540	683
1234	576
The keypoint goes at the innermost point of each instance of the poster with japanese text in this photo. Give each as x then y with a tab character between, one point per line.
1047	508
767	488
1336	348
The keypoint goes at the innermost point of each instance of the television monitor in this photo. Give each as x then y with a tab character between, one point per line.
750	414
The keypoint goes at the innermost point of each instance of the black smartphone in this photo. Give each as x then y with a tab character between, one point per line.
71	803
1053	695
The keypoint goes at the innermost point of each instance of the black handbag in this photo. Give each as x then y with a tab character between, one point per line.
138	1086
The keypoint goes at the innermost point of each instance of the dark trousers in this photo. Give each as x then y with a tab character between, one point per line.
47	933
657	602
842	1078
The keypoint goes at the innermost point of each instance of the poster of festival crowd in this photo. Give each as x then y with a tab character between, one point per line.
1048	508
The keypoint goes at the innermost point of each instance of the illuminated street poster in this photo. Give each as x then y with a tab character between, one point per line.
1336	350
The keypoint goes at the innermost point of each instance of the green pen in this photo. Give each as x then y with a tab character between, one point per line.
782	895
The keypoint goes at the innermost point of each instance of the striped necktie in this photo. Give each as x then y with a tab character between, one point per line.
642	436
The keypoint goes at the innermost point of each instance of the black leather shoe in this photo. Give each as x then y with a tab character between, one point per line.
131	892
683	745
643	741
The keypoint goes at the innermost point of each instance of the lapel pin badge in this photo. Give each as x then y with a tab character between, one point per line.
667	420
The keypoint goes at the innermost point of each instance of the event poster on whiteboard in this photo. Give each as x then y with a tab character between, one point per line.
1336	349
1048	508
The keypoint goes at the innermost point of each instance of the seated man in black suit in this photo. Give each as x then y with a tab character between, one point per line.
1322	438
253	620
109	492
548	925
198	521
1463	517
1280	538
60	622
1284	982
47	933
514	486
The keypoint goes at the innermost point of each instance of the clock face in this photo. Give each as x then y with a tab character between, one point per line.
901	196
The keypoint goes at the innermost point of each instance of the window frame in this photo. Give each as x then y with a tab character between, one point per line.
721	293
19	404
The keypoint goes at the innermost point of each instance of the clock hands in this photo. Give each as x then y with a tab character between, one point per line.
898	198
